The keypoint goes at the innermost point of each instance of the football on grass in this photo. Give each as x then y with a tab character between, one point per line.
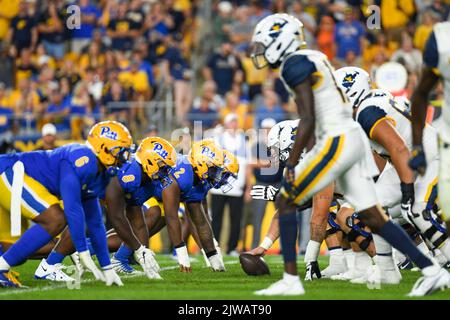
253	265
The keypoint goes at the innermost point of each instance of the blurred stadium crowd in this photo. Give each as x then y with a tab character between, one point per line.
158	65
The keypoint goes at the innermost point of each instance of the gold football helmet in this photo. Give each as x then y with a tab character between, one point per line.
207	160
111	142
156	156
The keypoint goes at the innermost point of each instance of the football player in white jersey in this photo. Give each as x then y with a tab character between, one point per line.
280	142
340	153
388	127
436	59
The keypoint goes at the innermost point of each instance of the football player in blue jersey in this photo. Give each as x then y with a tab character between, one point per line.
155	215
126	193
190	181
33	183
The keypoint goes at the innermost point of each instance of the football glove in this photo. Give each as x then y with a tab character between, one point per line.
267	193
145	257
76	261
111	277
208	264
289	175
418	161
407	202
216	262
87	262
183	259
312	271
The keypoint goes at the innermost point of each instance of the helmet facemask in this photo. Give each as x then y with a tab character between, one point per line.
258	55
213	176
121	154
227	181
162	174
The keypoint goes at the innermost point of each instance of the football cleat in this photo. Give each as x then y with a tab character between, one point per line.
349	275
337	265
405	265
312	271
428	284
282	288
50	272
8	278
122	267
376	276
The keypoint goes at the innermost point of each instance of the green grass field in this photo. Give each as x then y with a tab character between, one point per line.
203	284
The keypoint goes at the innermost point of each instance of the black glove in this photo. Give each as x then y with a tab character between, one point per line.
407	201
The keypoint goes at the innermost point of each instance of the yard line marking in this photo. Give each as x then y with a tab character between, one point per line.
64	285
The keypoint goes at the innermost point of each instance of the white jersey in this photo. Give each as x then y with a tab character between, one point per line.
333	114
380	105
437	56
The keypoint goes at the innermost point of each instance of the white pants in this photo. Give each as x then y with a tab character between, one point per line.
444	178
345	159
390	195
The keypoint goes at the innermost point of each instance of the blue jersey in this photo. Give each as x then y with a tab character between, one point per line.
191	189
71	173
130	179
44	167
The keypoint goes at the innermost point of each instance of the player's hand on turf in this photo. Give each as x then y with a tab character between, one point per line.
111	277
216	262
260	192
185	269
88	263
289	175
76	261
418	161
183	259
258	251
312	271
407	202
146	258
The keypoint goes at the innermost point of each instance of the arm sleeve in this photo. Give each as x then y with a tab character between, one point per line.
70	189
97	231
430	54
296	69
369	117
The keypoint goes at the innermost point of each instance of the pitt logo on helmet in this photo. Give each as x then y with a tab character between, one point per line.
208	152
159	149
108	133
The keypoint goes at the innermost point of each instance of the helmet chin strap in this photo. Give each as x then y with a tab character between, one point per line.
111	171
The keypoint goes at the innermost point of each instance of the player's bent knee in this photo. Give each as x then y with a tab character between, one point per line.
52	219
372	218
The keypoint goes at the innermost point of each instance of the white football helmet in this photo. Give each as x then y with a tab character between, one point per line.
355	82
404	104
274	38
281	140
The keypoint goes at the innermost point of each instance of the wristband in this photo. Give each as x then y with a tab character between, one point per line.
266	243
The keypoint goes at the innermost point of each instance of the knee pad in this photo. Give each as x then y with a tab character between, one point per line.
334	227
431	227
357	229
